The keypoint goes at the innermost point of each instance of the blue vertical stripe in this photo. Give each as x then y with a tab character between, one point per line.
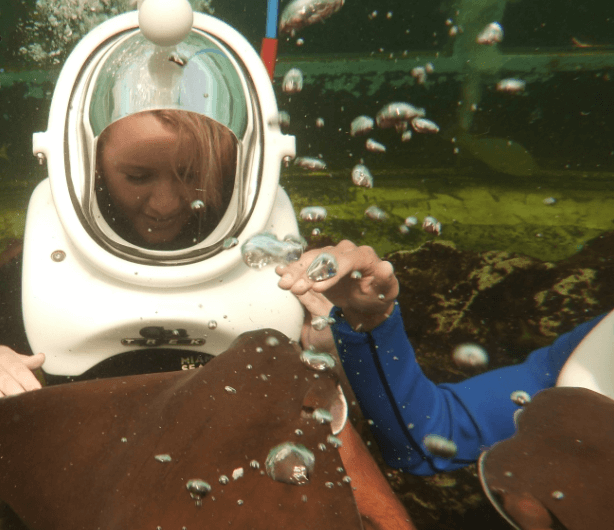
272	10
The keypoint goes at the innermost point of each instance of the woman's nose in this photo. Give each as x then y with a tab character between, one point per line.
166	198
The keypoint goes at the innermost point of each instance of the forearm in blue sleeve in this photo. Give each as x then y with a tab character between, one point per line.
404	405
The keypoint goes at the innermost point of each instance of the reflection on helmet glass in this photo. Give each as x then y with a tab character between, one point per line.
196	75
164	178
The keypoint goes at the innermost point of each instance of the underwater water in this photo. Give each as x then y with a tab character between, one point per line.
523	174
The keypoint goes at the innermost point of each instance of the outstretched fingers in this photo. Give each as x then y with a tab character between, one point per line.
16	376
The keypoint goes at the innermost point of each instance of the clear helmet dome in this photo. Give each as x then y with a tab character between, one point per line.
180	122
197	75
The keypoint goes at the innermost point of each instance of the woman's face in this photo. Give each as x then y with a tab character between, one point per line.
139	164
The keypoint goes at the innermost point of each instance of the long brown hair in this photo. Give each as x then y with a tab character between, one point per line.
211	154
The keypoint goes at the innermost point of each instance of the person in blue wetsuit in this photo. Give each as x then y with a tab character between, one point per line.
380	363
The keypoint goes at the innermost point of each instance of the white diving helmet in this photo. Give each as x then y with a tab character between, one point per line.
91	292
591	364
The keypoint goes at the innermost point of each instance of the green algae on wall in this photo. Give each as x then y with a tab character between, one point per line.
508	217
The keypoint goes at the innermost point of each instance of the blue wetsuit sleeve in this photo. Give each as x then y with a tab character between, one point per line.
404	406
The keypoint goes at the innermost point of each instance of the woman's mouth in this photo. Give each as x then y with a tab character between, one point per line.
156	223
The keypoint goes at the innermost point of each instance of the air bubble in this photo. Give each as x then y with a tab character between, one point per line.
272	341
361	125
313	213
290	463
376	214
230	242
334	441
320	362
198	489
470	355
520	397
361	176
321	322
263	249
322	416
440	446
163	458
197	205
293	81
322	268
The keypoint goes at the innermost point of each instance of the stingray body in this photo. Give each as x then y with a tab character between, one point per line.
83	455
557	471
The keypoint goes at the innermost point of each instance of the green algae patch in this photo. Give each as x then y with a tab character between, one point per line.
475	215
12	224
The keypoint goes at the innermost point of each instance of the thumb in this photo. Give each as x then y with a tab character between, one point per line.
33	361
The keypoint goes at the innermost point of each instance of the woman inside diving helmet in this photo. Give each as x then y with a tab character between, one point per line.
164	178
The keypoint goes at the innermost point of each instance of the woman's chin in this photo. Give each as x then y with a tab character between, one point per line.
154	236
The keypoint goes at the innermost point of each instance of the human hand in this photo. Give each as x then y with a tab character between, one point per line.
16	374
364	286
316	305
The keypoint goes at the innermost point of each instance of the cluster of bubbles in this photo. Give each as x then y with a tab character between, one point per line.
429	224
403	116
492	34
53	28
287	462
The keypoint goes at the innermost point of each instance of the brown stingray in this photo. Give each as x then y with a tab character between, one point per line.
82	455
557	471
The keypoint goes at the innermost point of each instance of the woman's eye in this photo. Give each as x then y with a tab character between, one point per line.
138	177
185	174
